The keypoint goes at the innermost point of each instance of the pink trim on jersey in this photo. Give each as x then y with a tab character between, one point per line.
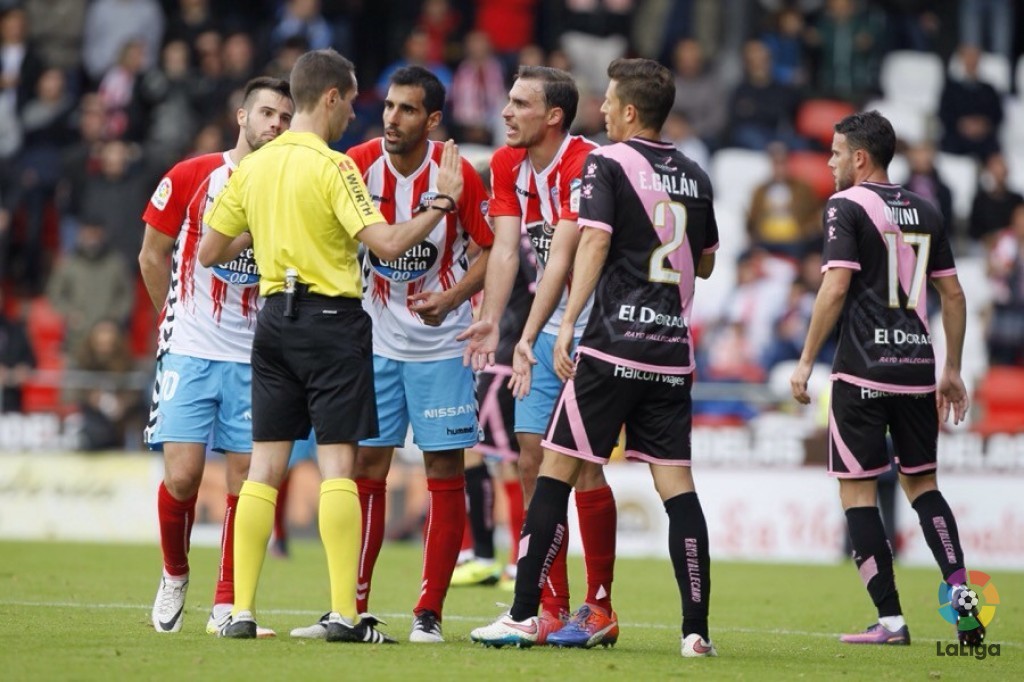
949	272
657	369
596	224
548	445
635	456
847	264
633	163
879	386
712	248
836	444
906	256
916	470
653	143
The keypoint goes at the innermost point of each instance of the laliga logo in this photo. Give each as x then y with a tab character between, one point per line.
974	604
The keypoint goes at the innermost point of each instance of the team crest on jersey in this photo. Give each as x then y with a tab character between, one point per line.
162	194
410	266
574	195
485	205
241	272
425	200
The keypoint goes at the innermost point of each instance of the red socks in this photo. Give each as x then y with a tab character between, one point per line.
225	593
514	495
442	537
598	520
373	500
176	518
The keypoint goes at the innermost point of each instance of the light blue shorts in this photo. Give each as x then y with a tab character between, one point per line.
303	450
534	411
201	401
437	397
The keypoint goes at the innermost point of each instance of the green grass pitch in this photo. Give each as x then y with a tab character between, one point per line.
81	612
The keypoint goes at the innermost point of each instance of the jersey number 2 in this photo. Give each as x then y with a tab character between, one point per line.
923	244
664	211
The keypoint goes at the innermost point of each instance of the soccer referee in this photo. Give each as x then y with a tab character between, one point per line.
306	206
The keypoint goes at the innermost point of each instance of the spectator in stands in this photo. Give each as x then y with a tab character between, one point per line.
111	24
762	109
593	34
238	56
55	28
441	23
699	94
285	56
846	39
20	63
415	52
510	24
193	19
680	133
791	324
478	92
302	18
913	24
924	179
994	201
785	214
79	160
90	284
165	96
785	42
1004	335
118	192
110	402
16	358
993	18
46	129
970	110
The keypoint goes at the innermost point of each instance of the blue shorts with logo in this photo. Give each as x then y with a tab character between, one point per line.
534	411
201	401
437	397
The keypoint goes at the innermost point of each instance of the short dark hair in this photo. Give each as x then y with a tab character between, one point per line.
433	90
278	85
873	133
318	71
559	90
647	85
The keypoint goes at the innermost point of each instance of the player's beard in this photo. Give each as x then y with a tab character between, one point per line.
254	141
402	145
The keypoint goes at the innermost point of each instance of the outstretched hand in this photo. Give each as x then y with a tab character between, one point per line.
523	361
483	342
449	175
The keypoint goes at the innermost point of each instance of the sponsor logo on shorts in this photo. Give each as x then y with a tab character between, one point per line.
459	432
449	411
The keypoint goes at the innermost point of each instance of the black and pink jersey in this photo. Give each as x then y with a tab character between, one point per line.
657	204
894	240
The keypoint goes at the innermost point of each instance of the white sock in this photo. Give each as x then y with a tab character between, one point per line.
892	623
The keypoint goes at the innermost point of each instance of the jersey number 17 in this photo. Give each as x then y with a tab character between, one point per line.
921	244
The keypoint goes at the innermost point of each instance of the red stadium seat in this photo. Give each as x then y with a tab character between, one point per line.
998	398
812	168
817	117
45	333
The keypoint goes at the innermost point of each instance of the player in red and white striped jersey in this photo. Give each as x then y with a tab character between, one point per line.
535	180
419	303
208	316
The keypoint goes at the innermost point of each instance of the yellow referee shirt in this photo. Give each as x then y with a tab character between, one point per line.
304	204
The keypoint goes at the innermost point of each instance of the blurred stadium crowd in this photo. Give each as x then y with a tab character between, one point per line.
99	97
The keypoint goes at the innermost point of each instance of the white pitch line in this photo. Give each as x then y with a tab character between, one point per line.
449	617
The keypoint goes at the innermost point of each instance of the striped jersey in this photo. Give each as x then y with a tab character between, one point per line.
209	313
540	199
658	206
895	241
435	264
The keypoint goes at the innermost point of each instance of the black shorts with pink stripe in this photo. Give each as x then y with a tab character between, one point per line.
858	421
592	408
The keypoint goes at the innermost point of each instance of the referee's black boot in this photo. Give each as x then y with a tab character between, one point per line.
240	626
364	632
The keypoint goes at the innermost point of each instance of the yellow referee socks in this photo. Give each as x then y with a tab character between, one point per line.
254	521
341	523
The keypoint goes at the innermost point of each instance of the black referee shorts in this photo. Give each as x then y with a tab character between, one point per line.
314	370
